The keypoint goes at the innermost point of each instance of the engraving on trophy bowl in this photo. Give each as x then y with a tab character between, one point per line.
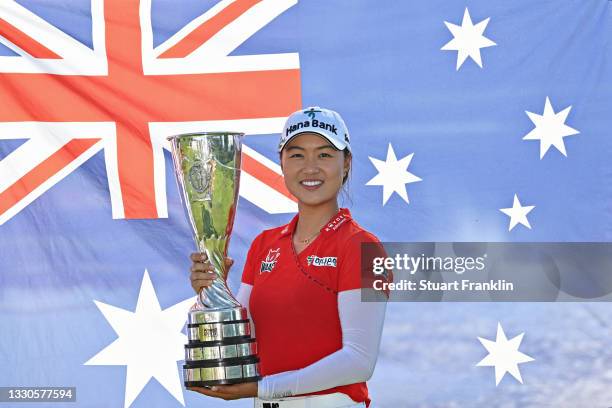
199	178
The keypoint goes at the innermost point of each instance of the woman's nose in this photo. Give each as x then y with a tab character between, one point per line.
311	166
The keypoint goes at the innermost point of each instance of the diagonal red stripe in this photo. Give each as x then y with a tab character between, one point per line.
208	29
45	170
26	43
265	175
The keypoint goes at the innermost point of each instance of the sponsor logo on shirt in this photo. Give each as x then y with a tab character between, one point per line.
268	264
325	261
335	223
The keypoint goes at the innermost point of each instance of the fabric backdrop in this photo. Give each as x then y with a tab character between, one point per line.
454	107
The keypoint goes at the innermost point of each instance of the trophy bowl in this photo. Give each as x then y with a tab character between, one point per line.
220	348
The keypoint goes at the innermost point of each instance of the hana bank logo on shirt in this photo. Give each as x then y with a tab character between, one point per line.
270	261
325	261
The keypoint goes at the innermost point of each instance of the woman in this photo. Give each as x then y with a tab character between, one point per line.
301	282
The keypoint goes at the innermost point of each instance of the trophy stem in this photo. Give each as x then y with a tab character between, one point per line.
217	296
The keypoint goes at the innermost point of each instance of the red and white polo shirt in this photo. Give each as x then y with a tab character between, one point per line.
294	302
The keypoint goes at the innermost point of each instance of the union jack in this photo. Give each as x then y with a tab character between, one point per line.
124	96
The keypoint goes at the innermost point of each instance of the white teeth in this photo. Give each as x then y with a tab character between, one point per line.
311	183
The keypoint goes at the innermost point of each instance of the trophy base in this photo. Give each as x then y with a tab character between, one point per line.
207	332
220	349
217	316
221	372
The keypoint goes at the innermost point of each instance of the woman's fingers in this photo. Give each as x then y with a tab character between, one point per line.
201	267
228	392
198	257
197	285
201	279
206	275
202	272
211	393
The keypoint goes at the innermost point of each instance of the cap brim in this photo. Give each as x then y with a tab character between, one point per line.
334	143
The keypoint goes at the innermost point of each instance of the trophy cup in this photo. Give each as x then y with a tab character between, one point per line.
220	349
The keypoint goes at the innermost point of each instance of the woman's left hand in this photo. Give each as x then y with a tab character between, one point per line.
229	392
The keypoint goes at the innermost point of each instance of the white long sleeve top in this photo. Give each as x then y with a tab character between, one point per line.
361	324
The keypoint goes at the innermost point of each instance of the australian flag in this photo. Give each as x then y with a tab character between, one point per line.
470	120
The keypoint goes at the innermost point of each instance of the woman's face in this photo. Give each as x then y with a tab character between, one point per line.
313	169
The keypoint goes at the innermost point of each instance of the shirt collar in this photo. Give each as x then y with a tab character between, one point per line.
342	216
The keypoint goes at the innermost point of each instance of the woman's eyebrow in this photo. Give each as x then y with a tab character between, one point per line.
317	148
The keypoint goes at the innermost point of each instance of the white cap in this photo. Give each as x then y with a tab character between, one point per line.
324	122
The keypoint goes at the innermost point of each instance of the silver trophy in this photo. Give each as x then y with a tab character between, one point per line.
220	348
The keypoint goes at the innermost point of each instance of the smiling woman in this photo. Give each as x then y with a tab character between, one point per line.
317	342
314	171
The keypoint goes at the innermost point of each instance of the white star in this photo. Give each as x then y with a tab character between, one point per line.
518	213
550	128
393	175
468	39
504	355
150	342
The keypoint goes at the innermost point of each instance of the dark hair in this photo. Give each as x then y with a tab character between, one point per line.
347	153
345	188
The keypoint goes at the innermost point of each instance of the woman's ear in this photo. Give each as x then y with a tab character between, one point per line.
347	163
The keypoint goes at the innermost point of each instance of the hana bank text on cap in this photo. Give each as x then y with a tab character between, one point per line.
324	122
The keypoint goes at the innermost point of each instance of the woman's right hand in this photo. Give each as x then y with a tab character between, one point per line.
202	271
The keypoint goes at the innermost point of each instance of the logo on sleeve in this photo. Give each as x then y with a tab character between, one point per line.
325	261
270	261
